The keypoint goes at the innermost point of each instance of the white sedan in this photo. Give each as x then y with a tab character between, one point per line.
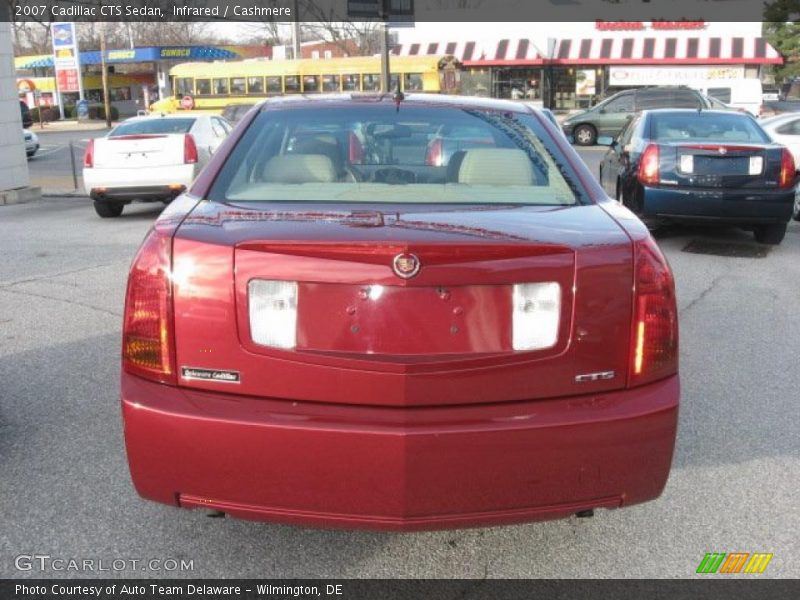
31	142
785	129
152	158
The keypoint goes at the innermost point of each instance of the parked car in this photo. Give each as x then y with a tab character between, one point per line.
150	158
785	129
771	94
741	93
233	113
327	329
27	119
31	142
609	116
702	166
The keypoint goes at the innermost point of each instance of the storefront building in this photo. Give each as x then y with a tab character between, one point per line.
586	61
137	77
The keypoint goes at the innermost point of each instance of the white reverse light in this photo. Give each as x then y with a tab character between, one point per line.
273	312
536	312
687	163
756	165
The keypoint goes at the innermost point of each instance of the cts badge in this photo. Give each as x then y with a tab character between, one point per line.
405	265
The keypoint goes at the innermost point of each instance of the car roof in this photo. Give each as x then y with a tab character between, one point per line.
685	111
163	116
388	98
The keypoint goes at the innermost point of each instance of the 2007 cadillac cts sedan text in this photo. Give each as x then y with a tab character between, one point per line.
389	313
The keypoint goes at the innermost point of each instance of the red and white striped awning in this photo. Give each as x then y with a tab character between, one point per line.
521	51
623	50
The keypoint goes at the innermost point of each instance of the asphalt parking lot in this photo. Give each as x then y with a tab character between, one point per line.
65	490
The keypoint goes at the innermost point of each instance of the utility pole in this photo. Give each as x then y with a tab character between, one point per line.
296	31
106	99
385	70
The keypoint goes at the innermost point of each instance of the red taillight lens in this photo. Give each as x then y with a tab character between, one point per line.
788	168
356	150
654	339
147	335
189	149
88	155
648	165
433	158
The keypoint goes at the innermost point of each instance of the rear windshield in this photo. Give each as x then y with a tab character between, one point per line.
153	126
379	153
703	126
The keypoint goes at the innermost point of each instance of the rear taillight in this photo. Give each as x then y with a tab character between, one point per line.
189	149
433	158
788	168
88	155
147	334
654	339
355	149
648	165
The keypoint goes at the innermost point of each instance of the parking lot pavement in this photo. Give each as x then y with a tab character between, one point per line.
65	489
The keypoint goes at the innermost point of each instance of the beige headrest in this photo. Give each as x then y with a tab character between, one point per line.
496	166
299	168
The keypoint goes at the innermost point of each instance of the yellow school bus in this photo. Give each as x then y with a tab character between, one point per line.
210	87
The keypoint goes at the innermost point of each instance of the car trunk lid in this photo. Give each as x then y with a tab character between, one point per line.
365	335
139	151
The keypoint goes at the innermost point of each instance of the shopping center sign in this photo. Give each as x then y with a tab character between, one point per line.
642	25
635	76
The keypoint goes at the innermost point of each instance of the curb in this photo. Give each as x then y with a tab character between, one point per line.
63	194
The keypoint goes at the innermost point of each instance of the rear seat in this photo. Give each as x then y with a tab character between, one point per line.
300	168
495	166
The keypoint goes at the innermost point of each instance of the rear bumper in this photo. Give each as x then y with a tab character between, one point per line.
152	183
398	469
737	206
146	194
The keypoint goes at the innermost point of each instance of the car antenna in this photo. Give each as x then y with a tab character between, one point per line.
398	96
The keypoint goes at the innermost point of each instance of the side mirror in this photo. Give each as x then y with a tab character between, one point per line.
606	140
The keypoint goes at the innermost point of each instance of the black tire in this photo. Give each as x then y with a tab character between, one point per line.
796	211
770	234
585	135
108	210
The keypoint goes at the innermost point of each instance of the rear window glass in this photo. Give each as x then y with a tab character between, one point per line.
153	126
723	94
704	126
377	153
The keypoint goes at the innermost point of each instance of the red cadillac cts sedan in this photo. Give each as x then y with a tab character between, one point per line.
384	313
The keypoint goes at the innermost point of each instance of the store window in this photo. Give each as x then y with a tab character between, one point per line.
412	82
517	84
